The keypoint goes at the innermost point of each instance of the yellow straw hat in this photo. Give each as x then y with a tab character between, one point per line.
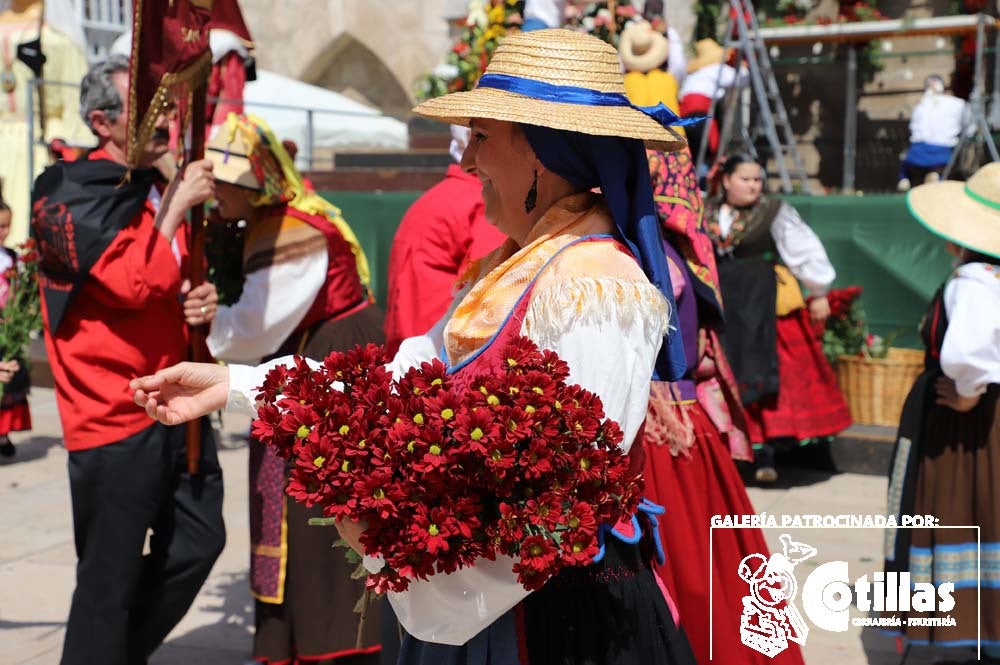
562	80
966	213
245	152
642	48
229	153
706	52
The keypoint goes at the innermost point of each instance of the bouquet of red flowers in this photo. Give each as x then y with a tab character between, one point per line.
846	332
20	309
521	463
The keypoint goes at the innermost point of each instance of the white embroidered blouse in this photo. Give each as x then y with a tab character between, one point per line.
799	247
274	301
970	353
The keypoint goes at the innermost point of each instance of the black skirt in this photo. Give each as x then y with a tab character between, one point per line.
609	613
750	336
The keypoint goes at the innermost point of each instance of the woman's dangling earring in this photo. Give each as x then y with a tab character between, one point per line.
531	200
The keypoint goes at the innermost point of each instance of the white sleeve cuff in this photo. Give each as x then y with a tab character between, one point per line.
241	386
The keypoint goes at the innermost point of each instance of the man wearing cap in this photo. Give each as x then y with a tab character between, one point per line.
115	306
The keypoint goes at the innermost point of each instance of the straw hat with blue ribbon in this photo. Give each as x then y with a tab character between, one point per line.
966	213
563	80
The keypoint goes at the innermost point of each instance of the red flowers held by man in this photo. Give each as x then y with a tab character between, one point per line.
523	464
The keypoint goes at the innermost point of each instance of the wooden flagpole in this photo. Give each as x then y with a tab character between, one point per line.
196	257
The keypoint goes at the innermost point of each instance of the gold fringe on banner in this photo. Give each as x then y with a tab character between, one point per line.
194	75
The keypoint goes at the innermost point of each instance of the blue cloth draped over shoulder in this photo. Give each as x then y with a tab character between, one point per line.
619	167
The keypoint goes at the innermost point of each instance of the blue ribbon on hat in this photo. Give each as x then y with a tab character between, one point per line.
568	94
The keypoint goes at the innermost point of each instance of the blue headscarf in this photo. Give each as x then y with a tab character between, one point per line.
620	168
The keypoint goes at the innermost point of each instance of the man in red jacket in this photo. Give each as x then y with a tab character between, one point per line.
116	306
441	233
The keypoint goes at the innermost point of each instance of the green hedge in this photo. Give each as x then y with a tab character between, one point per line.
872	241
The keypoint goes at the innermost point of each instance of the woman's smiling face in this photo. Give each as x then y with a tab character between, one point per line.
501	157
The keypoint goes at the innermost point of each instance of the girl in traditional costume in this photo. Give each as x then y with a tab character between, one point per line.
15	416
764	252
947	457
582	274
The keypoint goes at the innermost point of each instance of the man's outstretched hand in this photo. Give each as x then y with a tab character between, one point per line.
183	392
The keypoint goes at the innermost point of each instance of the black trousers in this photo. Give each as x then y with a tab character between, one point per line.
125	603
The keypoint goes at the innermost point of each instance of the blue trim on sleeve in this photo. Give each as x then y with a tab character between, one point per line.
651	510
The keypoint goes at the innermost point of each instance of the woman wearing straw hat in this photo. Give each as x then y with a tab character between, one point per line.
305	291
947	457
654	64
580	273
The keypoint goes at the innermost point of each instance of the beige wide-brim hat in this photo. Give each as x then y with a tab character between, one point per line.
556	57
706	52
230	161
642	49
966	213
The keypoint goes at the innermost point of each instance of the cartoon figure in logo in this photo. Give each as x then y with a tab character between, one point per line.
769	618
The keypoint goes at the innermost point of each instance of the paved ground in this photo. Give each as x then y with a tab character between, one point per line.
37	556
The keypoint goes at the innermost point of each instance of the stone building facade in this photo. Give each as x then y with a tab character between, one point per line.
376	51
372	50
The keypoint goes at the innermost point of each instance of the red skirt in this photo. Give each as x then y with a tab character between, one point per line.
694	486
15	418
809	403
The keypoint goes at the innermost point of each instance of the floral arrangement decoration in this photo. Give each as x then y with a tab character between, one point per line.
605	19
847	333
791	12
794	12
797	8
21	312
488	21
521	464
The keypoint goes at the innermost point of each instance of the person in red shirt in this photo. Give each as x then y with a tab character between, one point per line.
115	306
441	233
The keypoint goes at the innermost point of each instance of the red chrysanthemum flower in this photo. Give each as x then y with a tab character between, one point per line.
520	463
475	429
538	553
376	494
578	548
430	531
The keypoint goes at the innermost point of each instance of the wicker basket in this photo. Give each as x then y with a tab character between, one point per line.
875	389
